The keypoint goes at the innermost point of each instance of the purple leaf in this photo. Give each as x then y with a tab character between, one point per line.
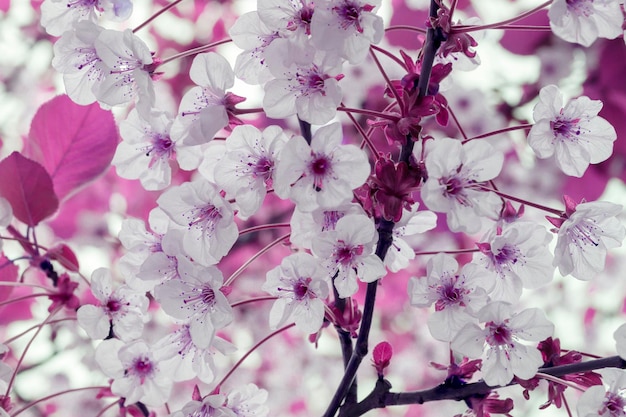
74	143
28	188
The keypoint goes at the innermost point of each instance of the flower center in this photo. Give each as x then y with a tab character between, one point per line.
614	404
142	367
345	254
301	288
566	129
580	7
449	294
263	168
113	305
319	167
499	334
204	217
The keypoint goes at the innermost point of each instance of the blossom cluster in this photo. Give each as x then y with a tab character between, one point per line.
396	194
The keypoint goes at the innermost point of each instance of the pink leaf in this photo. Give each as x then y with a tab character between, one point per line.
74	143
382	356
28	188
8	273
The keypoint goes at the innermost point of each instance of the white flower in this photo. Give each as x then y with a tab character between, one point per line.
291	18
585	236
203	110
574	134
607	400
146	150
499	345
123	310
348	252
411	223
300	284
136	372
247	168
456	173
129	74
346	27
457	296
207	217
185	360
76	58
305	226
517	256
57	16
151	255
248	401
253	36
196	297
322	174
583	21
306	83
211	406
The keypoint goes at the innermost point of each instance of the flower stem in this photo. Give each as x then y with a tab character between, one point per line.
25	297
371	113
559	381
497	25
157	14
194	51
21	359
452	252
387	80
405	27
499	131
69	391
390	56
252	300
263	227
17	336
525	202
252	349
253	258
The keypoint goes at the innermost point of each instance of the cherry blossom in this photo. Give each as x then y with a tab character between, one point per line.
457	296
206	108
76	58
123	310
211	406
305	226
300	284
291	18
574	134
187	360
607	400
346	27
136	371
306	84
517	256
322	174
348	253
206	216
247	168
151	257
196	297
455	174
146	150
57	16
499	342
248	401
412	223
585	234
253	36
129	75
583	21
